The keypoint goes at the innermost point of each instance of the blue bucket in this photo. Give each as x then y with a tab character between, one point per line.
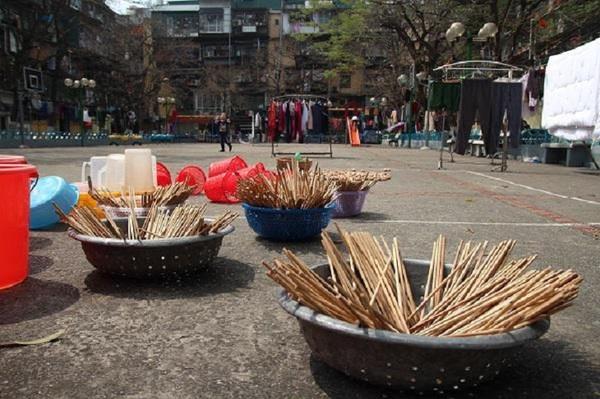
49	190
288	224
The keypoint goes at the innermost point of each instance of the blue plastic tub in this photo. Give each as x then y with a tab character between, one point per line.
288	224
49	190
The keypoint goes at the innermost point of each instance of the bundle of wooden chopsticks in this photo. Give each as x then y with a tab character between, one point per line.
183	221
173	194
484	293
291	188
357	180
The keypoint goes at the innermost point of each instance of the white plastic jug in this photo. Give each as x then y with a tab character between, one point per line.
138	170
113	174
96	164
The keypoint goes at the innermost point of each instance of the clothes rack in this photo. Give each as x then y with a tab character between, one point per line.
275	153
475	68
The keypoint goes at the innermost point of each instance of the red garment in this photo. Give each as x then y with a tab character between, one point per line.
272	121
281	118
298	125
292	132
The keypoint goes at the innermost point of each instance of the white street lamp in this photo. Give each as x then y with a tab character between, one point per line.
68	82
421	75
383	101
76	84
92	83
488	30
402	80
160	100
458	28
85	82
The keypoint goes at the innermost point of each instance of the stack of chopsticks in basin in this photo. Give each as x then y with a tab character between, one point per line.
183	221
173	194
292	188
484	292
353	180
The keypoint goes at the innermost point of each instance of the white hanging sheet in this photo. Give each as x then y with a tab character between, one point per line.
572	93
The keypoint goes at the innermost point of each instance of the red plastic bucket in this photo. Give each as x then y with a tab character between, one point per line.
163	176
221	188
15	160
260	167
227	165
12	160
250	171
14	223
193	175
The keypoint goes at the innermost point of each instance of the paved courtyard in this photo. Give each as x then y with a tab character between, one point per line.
223	335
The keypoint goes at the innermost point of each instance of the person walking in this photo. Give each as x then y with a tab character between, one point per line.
223	129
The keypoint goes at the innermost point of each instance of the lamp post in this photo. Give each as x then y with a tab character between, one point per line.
457	30
404	81
80	86
411	82
167	103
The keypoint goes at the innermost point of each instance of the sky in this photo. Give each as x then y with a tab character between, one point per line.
121	6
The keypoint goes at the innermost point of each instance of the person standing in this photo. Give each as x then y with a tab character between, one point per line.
223	129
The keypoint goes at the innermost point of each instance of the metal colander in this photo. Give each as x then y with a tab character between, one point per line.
410	362
151	259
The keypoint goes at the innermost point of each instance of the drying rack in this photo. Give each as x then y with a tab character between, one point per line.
477	68
329	153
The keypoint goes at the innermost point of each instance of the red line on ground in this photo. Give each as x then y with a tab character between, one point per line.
518	202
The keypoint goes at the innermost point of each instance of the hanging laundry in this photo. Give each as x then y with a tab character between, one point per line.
298	122
475	99
506	98
444	95
304	122
572	93
272	121
309	118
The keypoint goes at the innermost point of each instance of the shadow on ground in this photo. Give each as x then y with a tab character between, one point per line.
38	243
35	298
39	263
370	216
544	369
223	275
303	247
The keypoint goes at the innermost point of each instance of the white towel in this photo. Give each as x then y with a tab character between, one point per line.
572	93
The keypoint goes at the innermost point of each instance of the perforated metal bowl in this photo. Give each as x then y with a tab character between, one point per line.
411	362
151	259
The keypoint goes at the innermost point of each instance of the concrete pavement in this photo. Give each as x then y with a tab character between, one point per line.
222	334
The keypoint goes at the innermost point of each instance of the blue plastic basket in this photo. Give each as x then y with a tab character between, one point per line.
288	224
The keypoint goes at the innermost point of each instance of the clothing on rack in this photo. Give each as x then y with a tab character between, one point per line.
572	93
475	98
444	95
317	116
298	121
295	117
304	121
506	98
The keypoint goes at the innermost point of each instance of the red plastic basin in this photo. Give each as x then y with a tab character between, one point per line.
14	222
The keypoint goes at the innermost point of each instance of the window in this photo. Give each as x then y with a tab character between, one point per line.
215	51
211	20
323	17
181	25
276	21
345	81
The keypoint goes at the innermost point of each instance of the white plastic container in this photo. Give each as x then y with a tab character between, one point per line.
96	164
138	170
114	172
